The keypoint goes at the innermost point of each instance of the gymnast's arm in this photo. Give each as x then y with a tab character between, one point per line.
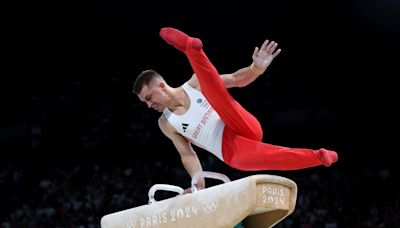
262	58
188	156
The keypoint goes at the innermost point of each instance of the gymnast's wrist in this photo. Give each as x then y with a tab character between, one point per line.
256	70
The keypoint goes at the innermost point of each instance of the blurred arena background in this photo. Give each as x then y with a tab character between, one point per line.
76	144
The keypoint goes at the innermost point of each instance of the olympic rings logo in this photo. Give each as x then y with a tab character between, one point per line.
210	207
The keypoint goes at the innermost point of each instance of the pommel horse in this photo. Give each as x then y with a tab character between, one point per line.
256	201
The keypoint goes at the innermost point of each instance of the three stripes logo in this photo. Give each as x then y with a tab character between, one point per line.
184	126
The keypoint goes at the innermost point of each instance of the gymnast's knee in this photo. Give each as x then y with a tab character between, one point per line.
256	130
256	133
259	135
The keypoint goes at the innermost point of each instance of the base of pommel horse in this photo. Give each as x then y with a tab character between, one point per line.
256	201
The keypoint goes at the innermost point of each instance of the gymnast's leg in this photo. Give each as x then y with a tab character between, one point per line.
230	111
241	146
246	154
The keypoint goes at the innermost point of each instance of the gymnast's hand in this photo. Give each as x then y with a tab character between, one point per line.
186	191
201	185
263	57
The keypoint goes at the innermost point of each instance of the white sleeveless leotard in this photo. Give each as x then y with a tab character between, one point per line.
200	124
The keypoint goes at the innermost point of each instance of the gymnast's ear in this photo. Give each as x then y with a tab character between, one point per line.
162	85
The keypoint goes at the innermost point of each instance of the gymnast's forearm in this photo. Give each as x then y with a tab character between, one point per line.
245	76
192	165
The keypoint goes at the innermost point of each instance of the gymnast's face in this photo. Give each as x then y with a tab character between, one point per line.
154	95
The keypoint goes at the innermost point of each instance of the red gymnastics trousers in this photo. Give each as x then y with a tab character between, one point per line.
242	147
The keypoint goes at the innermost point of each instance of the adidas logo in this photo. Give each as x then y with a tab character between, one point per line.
184	126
